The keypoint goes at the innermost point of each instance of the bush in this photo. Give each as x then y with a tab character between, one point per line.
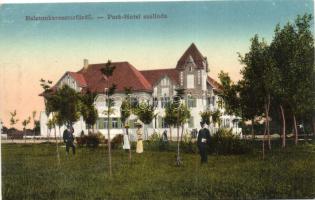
92	140
117	141
224	142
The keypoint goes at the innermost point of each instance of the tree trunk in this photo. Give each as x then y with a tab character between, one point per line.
129	144
283	126
24	135
58	157
252	130
263	142
181	136
170	133
313	122
178	161
268	123
295	130
108	143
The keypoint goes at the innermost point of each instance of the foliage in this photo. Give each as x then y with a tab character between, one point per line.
125	110
225	142
145	112
88	110
117	141
215	115
205	117
13	119
25	122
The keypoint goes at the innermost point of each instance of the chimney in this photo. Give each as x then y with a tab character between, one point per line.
85	63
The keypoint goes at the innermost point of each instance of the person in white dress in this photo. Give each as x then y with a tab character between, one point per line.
139	137
126	144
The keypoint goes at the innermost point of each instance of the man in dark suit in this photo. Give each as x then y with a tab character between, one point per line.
203	141
69	139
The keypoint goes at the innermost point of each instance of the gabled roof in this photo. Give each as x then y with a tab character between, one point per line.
79	78
153	76
214	84
195	54
124	75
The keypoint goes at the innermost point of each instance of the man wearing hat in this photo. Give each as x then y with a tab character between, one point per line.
139	149
68	139
203	141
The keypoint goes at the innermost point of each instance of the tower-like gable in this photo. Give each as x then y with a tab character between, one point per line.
193	68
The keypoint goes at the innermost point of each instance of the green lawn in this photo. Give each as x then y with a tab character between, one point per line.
31	172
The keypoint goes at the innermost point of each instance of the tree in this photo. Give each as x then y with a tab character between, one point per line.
88	110
125	112
292	51
183	114
108	71
46	86
25	123
145	113
34	125
170	116
215	116
13	120
206	116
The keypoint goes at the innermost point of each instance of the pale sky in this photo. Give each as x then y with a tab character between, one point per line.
31	50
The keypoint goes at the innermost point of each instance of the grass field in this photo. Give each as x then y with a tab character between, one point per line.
31	172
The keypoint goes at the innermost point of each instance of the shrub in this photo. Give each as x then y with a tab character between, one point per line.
93	140
117	141
81	141
224	142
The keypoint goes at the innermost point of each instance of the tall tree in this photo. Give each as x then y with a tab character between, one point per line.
145	113
108	71
170	116
125	112
34	124
88	110
25	122
183	114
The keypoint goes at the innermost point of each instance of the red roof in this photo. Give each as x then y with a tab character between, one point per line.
214	84
79	78
153	76
195	54
125	75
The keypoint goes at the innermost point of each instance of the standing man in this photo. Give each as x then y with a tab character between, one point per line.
203	141
69	139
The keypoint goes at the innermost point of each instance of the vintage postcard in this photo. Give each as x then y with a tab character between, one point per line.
157	100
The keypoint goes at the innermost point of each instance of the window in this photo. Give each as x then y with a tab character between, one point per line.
155	102
164	101
199	77
190	81
181	79
165	82
162	123
191	102
102	123
191	122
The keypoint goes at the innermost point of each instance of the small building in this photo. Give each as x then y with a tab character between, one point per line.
154	86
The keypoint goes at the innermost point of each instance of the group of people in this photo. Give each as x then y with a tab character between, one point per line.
203	140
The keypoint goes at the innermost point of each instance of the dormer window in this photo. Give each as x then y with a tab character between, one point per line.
190	69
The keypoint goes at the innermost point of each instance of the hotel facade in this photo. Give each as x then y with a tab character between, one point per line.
154	86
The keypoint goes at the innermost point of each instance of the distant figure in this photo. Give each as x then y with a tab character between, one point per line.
139	139
164	136
203	142
69	139
126	145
